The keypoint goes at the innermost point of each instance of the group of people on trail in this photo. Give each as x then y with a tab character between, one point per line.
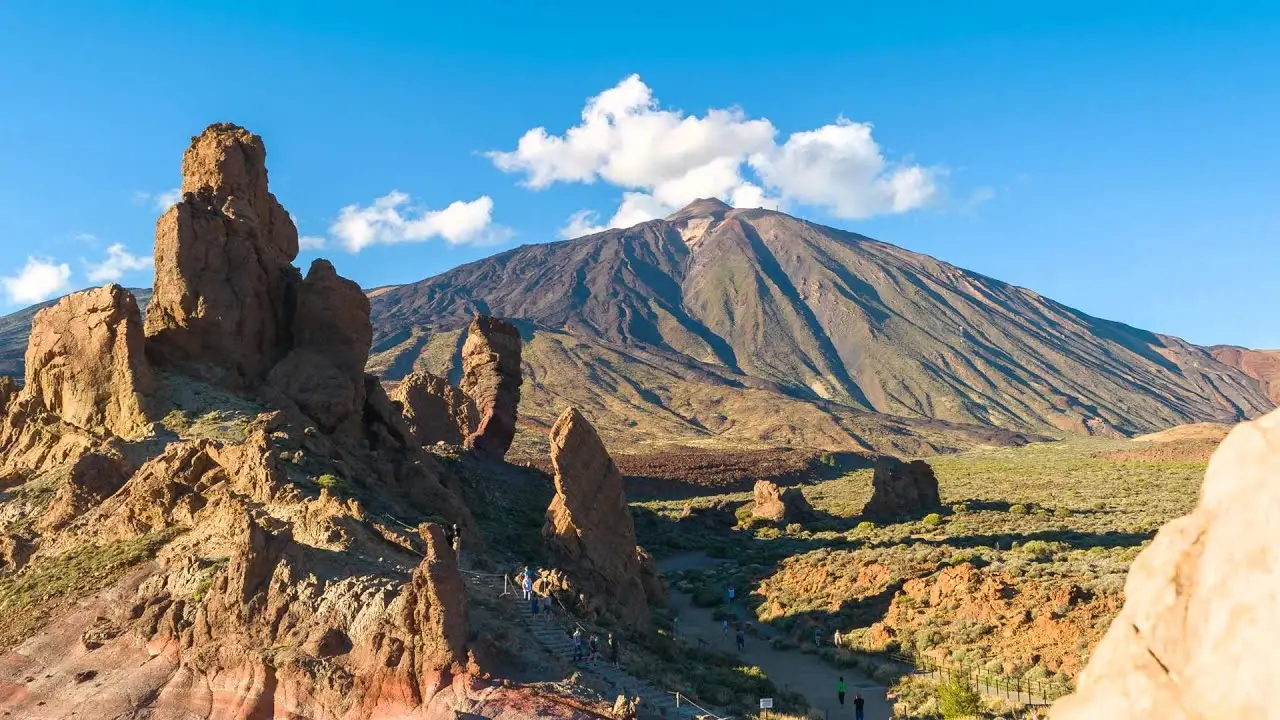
858	702
537	603
453	536
594	646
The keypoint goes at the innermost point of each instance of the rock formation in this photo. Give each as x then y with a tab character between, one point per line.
224	279
86	363
901	488
434	410
249	557
1196	637
331	335
491	378
780	506
589	525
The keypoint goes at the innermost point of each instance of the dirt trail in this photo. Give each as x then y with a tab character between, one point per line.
805	674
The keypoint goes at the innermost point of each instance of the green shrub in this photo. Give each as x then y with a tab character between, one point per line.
1062	512
958	698
1040	550
960	508
865	526
334	484
1018	509
932	520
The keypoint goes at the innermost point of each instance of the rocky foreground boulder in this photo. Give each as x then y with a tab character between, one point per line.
900	489
780	506
491	378
1197	635
434	410
589	525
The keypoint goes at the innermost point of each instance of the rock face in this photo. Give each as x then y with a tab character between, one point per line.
435	410
781	506
86	362
436	607
491	378
901	488
1196	637
324	372
224	278
589	526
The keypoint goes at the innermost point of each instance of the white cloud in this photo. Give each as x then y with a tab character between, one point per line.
583	222
118	262
311	242
160	201
663	159
38	280
393	219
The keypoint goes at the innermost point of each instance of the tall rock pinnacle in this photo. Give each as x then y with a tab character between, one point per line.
491	377
223	254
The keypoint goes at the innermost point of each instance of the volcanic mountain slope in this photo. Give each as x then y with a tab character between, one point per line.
1261	365
753	325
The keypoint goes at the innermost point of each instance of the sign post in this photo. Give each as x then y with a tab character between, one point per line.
765	704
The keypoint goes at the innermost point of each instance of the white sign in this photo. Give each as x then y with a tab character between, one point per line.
766	703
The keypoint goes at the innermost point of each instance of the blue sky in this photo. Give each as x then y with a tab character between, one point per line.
1121	157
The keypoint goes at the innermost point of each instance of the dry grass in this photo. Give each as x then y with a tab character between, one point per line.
1040	520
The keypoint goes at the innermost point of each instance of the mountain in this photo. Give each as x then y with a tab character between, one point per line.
748	328
1261	365
752	325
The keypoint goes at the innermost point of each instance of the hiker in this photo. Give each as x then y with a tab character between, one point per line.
732	592
817	636
594	644
742	640
546	606
534	603
457	549
613	650
577	644
835	639
724	630
841	689
858	702
675	626
527	584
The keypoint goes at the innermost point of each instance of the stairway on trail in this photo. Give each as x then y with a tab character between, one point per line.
654	701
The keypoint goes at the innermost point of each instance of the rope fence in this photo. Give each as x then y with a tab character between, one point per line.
681	698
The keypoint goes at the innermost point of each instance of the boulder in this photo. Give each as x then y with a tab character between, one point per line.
85	363
1196	637
491	378
589	525
434	410
901	488
15	550
224	282
781	506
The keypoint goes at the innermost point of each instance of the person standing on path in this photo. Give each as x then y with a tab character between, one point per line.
577	644
527	584
613	650
732	593
724	630
817	636
858	703
594	645
841	689
742	640
835	639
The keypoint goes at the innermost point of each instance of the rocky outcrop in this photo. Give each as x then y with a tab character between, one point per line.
780	506
434	410
324	372
491	378
436	605
86	364
224	283
901	489
1196	637
589	525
